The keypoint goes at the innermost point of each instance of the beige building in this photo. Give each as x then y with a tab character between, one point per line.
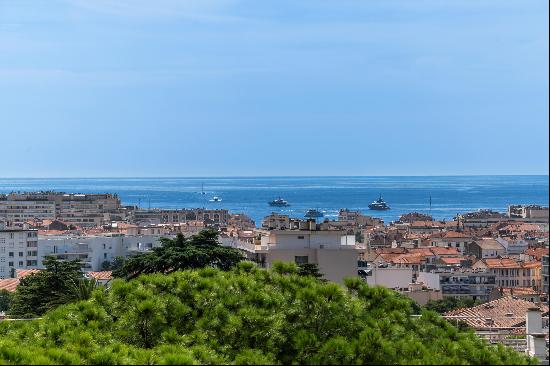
276	221
332	250
84	210
486	248
452	239
510	272
528	212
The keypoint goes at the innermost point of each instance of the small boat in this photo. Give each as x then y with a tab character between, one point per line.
216	199
379	205
279	202
313	213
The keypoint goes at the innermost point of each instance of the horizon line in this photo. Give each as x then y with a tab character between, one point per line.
284	176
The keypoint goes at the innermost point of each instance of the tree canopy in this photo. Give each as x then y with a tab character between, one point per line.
44	290
245	315
198	251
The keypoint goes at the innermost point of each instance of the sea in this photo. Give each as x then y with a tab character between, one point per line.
440	196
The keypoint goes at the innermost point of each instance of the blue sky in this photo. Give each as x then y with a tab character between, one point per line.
286	87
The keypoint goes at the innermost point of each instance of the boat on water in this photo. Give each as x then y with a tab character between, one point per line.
279	202
379	205
314	213
216	199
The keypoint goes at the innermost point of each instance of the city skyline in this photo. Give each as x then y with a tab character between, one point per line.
242	89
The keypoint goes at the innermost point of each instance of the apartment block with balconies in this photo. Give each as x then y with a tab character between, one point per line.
18	250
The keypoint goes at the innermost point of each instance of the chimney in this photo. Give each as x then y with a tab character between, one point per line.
536	343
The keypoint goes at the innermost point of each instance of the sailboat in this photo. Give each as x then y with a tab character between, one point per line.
202	188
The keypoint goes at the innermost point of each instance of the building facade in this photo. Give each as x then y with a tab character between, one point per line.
332	250
18	250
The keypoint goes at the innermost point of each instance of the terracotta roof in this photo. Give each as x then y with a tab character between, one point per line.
445	251
536	253
501	263
20	273
103	275
506	312
451	260
511	291
426	252
523	227
9	284
455	234
532	264
52	232
410	259
489	243
390	250
430	224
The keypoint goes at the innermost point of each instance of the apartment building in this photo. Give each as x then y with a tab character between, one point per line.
276	221
476	284
84	210
163	216
486	248
528	212
18	250
93	250
332	250
511	272
513	246
545	273
452	239
23	210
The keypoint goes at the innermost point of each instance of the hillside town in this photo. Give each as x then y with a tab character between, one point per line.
497	259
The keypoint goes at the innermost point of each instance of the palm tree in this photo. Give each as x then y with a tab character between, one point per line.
81	289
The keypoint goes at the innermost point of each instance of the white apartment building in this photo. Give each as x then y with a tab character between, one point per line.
18	250
92	251
395	278
513	247
332	250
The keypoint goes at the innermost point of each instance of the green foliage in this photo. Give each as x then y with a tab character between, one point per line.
43	291
79	290
5	300
199	251
243	316
310	269
450	303
117	263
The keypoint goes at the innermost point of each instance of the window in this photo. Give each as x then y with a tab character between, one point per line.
104	255
10	264
21	254
301	259
10	254
300	237
20	263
